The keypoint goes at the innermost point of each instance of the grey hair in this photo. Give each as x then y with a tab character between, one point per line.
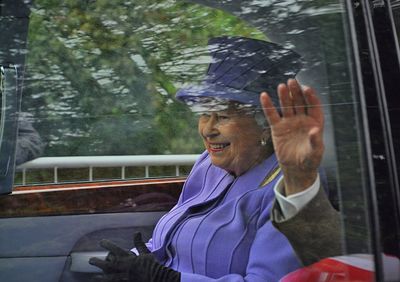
260	119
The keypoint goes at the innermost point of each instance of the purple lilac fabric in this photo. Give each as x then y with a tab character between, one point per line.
220	229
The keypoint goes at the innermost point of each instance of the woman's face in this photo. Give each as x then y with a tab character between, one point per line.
232	138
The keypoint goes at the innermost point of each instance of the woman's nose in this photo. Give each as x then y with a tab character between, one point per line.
210	127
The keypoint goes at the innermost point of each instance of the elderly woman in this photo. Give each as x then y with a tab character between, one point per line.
221	228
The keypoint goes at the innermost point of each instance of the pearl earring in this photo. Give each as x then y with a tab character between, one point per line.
263	142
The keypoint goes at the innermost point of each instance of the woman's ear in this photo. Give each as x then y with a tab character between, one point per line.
266	137
266	132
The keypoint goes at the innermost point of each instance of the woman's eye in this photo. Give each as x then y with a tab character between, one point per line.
223	117
204	116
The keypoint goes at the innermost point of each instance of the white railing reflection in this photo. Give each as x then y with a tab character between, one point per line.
91	162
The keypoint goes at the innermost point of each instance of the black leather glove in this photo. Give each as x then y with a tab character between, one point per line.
122	265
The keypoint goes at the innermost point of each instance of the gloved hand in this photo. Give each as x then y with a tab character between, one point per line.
122	265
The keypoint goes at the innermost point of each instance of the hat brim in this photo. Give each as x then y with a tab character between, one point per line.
193	94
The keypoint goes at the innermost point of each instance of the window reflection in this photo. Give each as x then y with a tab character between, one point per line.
118	63
107	82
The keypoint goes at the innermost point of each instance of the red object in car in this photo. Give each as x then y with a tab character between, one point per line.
351	268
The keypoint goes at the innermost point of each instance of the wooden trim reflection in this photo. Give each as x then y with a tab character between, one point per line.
90	198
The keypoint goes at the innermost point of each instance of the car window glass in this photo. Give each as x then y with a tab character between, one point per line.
100	80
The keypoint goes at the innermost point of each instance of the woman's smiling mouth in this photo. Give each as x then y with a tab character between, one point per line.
217	147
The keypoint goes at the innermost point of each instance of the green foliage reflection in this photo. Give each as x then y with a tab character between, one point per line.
102	75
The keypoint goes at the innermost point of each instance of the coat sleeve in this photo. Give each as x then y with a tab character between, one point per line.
314	232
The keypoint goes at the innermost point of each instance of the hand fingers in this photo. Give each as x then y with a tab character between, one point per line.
107	244
102	264
298	100
270	112
293	101
285	100
111	257
139	244
314	108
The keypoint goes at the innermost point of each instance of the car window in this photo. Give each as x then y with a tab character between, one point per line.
99	80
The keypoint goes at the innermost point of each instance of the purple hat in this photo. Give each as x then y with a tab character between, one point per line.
241	69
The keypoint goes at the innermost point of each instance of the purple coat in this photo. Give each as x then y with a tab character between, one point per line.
220	229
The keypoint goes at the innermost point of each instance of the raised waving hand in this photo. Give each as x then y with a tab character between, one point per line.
297	133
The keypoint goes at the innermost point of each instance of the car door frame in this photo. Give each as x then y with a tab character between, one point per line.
372	27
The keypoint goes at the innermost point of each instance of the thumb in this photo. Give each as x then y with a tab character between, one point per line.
139	244
107	244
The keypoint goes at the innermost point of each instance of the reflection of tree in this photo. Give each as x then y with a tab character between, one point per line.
101	75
